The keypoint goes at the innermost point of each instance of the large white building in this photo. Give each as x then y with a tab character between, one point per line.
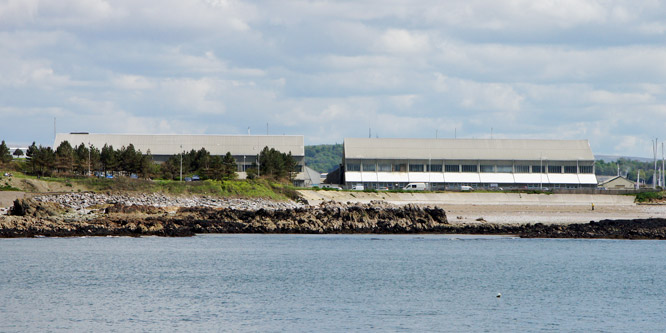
483	163
244	148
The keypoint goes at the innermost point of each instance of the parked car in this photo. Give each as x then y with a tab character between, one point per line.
415	187
358	188
195	178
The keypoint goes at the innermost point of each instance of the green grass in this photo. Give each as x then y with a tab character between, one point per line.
259	188
649	196
7	187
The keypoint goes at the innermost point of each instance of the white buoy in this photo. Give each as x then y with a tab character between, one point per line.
499	295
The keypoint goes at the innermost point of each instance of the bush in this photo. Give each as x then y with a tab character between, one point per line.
649	196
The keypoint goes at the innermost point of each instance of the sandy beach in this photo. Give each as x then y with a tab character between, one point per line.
509	208
547	214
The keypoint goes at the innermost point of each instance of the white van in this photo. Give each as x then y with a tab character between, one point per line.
465	188
415	187
358	188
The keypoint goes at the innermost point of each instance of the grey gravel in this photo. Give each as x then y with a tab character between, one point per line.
82	201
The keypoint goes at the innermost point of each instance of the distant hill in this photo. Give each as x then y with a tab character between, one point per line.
614	158
323	158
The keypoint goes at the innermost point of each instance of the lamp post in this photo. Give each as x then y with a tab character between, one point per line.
89	148
259	165
541	173
181	163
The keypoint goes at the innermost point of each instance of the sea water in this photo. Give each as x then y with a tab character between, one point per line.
332	283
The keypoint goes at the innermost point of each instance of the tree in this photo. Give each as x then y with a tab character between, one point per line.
81	159
108	158
30	155
18	152
276	165
44	160
129	159
229	167
5	156
64	157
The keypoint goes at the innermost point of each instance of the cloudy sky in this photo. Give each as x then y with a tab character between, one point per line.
569	69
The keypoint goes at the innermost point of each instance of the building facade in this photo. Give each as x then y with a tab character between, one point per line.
244	148
616	183
480	163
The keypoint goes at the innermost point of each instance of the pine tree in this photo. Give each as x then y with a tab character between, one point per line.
5	155
229	167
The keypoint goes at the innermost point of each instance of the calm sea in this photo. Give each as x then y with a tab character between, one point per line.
342	283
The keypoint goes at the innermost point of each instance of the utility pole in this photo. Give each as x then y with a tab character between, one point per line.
654	154
89	147
638	181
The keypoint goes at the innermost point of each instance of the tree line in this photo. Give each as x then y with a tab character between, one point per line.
82	160
627	168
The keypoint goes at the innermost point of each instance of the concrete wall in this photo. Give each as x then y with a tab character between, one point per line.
457	198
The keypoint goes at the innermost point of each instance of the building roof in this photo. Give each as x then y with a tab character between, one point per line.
614	179
468	149
170	144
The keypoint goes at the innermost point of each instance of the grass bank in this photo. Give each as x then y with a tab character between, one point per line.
261	188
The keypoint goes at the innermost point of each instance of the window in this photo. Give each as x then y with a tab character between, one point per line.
487	168
469	168
367	166
399	167
586	169
353	167
522	169
537	169
554	169
435	168
504	169
416	168
570	169
452	168
384	167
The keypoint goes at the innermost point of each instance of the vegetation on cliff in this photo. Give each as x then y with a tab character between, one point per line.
323	158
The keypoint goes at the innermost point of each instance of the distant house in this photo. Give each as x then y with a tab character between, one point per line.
615	183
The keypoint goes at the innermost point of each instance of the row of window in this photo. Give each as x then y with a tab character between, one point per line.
402	167
456	186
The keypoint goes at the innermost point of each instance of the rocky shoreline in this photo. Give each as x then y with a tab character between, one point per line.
156	215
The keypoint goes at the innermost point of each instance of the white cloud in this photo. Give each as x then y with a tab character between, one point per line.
480	95
196	96
330	69
132	82
403	41
607	97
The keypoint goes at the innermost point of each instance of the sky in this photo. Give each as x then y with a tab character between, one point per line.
515	69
